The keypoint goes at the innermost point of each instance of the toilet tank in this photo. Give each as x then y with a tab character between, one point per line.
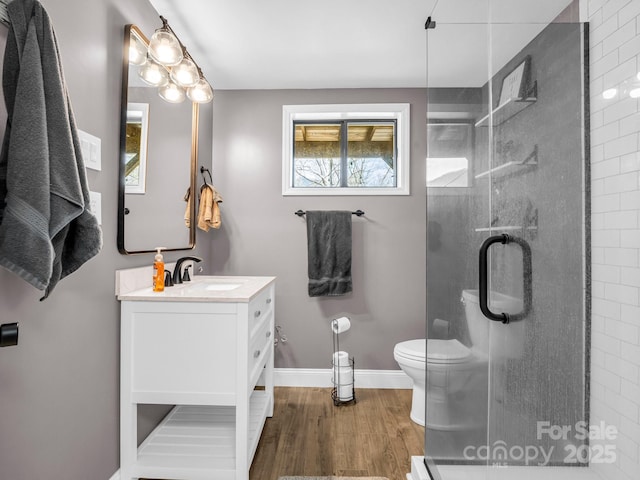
479	326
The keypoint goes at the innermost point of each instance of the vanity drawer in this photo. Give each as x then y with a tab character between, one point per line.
261	341
261	306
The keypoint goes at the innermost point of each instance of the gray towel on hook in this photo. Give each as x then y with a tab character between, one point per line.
47	230
329	252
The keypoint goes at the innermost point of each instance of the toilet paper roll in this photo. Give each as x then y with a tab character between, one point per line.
341	359
340	325
343	381
345	393
440	329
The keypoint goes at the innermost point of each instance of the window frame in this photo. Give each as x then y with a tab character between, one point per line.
344	125
452	191
382	112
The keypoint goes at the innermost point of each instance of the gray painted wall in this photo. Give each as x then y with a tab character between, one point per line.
59	387
260	235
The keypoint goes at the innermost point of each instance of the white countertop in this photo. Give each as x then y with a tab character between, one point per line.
204	288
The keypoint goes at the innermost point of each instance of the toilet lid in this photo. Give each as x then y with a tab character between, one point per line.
439	351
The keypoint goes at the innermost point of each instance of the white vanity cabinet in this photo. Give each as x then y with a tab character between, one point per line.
202	350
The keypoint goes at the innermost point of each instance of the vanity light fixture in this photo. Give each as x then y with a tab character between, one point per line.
164	46
170	67
137	52
172	93
185	73
201	92
628	88
154	74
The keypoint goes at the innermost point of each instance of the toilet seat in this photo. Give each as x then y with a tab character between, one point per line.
438	351
447	351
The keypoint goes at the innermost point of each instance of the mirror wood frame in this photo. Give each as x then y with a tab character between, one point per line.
122	209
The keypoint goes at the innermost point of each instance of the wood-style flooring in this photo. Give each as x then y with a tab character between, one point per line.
308	435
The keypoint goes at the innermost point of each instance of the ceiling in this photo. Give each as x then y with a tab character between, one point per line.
290	44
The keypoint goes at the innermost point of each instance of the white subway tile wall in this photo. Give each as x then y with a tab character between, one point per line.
615	222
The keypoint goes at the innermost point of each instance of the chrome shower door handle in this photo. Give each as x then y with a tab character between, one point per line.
483	280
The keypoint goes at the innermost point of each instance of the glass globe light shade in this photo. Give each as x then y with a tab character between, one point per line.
172	93
201	92
185	73
153	74
164	48
137	52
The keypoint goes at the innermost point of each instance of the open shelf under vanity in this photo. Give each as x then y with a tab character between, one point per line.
199	440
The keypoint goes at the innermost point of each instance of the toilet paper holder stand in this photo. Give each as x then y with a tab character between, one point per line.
343	391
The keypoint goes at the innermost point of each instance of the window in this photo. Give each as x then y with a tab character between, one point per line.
449	153
346	149
136	147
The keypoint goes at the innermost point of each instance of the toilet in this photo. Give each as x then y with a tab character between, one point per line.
450	376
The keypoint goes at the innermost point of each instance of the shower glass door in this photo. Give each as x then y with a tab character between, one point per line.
507	254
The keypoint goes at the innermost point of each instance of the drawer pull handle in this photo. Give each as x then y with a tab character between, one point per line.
268	301
268	333
257	313
256	354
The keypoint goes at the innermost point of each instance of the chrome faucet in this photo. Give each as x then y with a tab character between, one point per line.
177	271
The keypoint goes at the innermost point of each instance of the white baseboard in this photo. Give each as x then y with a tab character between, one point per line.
115	476
321	377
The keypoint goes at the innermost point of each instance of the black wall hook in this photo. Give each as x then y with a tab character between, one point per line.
8	335
204	179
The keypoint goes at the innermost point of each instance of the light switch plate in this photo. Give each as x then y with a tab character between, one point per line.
96	205
91	150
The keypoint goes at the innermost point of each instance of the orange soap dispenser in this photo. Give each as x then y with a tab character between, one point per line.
158	271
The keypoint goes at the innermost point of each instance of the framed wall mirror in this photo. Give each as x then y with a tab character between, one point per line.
158	158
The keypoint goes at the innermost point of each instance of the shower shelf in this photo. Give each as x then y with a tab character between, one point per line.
506	228
505	111
507	169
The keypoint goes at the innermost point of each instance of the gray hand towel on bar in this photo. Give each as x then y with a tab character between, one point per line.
329	252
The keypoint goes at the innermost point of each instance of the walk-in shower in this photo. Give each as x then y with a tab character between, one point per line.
507	240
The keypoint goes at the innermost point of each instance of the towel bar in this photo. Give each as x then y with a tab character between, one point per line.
358	213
